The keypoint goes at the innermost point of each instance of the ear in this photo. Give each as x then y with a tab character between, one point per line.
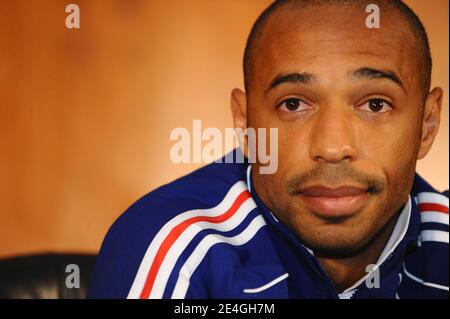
430	122
239	110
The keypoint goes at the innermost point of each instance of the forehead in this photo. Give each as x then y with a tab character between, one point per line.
320	39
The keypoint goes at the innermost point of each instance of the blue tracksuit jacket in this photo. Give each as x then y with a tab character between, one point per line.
208	235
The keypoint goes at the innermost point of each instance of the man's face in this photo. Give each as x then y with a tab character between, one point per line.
340	122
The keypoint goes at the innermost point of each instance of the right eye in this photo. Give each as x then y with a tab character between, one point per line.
292	105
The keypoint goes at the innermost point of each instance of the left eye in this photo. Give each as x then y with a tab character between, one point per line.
376	106
292	105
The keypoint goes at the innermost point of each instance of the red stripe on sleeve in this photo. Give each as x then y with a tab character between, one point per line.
433	207
177	231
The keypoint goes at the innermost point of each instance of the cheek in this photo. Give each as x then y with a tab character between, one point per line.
394	142
293	152
294	144
391	150
292	140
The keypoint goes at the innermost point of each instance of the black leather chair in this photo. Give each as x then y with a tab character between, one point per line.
44	276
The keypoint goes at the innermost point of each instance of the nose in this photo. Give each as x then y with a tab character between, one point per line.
333	137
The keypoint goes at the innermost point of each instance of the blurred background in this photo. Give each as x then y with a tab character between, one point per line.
85	114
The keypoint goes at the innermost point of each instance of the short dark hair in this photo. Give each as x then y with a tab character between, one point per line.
415	24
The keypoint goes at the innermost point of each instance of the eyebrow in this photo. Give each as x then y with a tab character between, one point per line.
361	73
304	78
370	73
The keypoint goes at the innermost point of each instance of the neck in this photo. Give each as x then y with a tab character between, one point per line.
344	272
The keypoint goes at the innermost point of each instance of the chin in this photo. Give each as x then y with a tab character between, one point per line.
333	242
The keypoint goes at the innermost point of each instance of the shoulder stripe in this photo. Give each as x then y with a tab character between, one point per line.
430	197
231	219
201	250
434	235
433	207
225	205
173	236
434	217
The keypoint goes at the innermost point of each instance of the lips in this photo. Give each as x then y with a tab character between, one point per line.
337	202
322	191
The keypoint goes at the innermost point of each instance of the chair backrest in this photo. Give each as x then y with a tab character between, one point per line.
46	276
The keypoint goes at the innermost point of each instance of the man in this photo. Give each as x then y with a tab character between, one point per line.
344	215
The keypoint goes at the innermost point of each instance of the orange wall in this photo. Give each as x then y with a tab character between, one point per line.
85	115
